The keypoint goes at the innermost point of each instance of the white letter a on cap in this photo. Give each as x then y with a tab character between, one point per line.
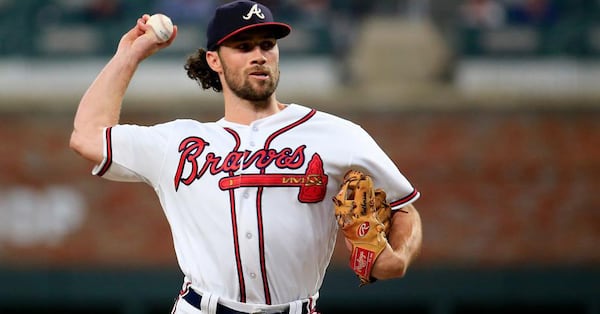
254	10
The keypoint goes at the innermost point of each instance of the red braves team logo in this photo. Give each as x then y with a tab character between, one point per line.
312	184
363	229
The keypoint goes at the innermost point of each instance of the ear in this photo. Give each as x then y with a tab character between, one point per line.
213	61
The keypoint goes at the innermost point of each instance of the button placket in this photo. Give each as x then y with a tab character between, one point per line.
254	130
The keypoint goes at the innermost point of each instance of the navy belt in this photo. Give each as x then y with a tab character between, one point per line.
194	300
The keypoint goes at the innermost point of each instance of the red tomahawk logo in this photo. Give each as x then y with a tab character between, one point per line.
312	184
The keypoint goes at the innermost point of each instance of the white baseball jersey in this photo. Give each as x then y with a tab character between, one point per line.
250	206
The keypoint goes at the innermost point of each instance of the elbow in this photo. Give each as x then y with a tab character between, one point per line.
75	142
87	141
84	146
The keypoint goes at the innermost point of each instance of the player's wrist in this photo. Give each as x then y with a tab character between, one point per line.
125	62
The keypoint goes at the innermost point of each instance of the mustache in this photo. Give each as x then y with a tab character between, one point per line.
260	69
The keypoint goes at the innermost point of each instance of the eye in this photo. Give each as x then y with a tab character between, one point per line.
267	44
244	46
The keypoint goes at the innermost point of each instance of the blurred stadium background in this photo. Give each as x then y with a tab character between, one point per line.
490	107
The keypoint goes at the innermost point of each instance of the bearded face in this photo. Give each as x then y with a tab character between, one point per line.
254	84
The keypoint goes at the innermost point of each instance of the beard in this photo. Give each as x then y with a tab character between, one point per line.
244	88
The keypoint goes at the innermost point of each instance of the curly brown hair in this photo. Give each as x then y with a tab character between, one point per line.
197	69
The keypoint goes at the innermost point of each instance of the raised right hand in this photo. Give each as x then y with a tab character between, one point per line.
140	42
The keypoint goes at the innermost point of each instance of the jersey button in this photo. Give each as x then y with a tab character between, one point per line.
249	235
253	275
246	195
255	128
252	143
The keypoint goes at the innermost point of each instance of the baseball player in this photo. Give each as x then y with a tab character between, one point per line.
248	197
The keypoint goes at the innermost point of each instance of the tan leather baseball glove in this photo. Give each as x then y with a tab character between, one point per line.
363	214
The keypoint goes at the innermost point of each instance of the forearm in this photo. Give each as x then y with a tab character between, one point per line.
100	106
404	239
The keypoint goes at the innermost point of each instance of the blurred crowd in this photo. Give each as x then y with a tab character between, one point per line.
498	13
194	11
530	27
329	26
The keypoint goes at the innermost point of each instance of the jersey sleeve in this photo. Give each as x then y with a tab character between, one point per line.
372	160
132	153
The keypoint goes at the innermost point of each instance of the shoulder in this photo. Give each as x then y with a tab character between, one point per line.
178	123
322	116
184	125
176	128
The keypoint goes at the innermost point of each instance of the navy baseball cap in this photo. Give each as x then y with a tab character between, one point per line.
235	17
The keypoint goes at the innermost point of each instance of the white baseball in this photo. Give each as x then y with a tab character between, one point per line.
162	26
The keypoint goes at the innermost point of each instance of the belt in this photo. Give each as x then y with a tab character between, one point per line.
194	300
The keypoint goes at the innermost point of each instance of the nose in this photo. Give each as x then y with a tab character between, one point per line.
258	56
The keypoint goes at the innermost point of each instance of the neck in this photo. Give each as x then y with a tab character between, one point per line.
245	112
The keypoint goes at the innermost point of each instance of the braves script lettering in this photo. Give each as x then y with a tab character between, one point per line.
192	148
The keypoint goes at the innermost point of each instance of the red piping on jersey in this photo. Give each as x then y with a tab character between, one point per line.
108	161
261	236
236	244
268	179
405	199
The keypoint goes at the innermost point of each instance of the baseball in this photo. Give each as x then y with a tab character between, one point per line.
162	26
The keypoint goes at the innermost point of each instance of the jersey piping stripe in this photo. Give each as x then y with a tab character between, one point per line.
236	244
108	161
405	199
261	240
261	245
